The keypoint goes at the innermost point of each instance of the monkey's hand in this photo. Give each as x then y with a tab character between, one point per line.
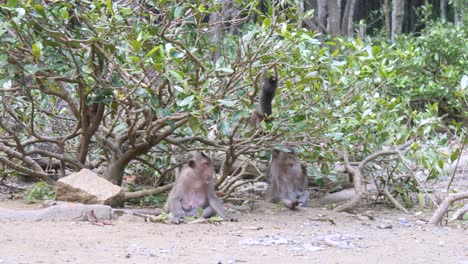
176	218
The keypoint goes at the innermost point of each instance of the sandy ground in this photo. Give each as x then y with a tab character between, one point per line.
267	235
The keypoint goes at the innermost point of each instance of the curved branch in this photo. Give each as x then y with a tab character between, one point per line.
143	193
357	176
444	206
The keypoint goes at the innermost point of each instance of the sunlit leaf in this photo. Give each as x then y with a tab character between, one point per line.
376	50
224	69
266	22
178	75
64	14
225	127
178	11
187	100
36	49
227	103
109	6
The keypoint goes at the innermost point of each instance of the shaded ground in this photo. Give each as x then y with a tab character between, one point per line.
269	234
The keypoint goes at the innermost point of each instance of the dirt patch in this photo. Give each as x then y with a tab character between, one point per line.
267	235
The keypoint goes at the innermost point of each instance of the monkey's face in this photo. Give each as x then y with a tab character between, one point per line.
288	159
203	168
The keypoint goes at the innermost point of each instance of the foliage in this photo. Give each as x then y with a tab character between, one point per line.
151	200
433	67
128	88
39	191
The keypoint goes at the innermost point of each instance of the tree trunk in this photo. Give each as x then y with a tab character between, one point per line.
333	18
322	14
398	12
91	118
443	10
459	7
347	25
344	19
351	18
386	10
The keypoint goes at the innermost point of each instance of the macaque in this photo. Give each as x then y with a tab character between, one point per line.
270	84
193	190
287	180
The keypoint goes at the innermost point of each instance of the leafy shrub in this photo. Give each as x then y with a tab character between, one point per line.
40	191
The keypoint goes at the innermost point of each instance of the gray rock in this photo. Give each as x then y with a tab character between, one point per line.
60	211
87	187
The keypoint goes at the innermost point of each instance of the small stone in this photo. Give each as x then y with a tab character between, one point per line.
385	226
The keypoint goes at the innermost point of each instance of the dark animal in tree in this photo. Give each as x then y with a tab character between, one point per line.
270	84
193	191
287	180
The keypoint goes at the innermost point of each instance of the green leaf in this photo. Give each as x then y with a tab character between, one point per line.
424	162
134	59
64	13
224	69
454	156
178	75
399	190
153	51
227	103
266	22
376	50
202	8
441	163
136	45
12	3
178	11
165	112
284	30
187	100
109	6
40	9
36	49
194	123
421	200
31	69
225	128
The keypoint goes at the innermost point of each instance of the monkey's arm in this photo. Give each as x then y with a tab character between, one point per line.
304	175
174	204
215	203
272	192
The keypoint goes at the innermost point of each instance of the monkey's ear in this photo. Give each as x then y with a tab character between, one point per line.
276	152
191	163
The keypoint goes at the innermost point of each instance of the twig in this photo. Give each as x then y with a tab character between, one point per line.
456	166
393	200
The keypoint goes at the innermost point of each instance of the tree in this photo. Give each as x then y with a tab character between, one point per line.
128	89
397	17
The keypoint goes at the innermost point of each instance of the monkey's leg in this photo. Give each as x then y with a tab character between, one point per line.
208	212
291	204
303	198
192	212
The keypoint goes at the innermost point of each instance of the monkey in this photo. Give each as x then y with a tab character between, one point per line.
194	190
287	180
270	84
